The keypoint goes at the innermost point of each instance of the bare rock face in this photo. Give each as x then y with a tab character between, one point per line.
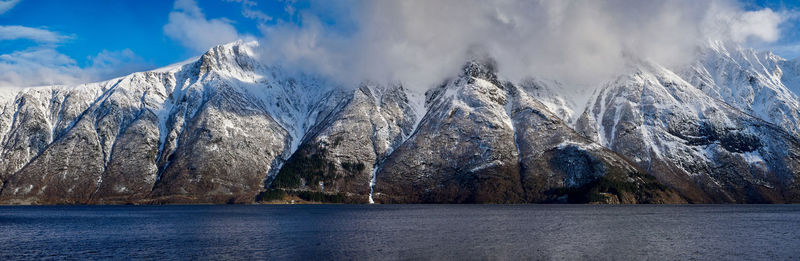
702	147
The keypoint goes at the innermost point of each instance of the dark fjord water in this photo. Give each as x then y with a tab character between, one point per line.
313	232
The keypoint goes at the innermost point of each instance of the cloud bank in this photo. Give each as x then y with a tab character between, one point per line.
38	66
420	43
579	43
42	64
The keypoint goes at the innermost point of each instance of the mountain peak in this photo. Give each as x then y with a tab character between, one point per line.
482	68
238	54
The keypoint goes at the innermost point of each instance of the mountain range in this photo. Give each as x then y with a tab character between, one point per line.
226	128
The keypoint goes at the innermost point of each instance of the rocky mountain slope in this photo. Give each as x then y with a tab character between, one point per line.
227	129
484	140
342	151
204	131
750	81
701	146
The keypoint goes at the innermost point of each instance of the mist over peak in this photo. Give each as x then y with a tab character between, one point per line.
579	43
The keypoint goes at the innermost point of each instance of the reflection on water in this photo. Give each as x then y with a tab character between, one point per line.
401	232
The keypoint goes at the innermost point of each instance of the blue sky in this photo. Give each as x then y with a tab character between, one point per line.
96	25
65	41
90	40
788	46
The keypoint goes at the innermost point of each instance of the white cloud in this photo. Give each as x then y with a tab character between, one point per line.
6	5
13	32
109	64
189	26
45	66
576	42
256	15
727	21
32	67
249	12
289	7
761	25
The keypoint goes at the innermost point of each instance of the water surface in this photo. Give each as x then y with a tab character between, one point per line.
303	232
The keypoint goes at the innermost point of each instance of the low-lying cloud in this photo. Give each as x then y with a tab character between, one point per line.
38	66
42	63
420	43
576	42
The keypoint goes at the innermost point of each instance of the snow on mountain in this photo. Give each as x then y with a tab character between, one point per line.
484	140
553	95
694	142
215	129
226	128
156	134
749	81
342	152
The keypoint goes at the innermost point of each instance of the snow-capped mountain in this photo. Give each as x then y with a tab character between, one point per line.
484	140
341	153
750	81
699	145
227	128
200	131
